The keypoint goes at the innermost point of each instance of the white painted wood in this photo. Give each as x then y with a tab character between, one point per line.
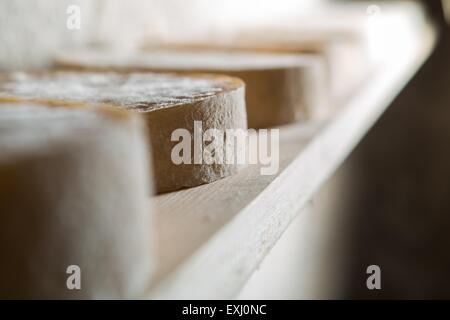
309	259
212	238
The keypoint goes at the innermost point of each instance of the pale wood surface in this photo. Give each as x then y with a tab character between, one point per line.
211	238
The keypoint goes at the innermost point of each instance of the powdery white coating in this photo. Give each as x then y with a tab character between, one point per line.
141	92
40	126
187	59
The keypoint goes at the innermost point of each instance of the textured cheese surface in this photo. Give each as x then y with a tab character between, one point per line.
137	91
166	102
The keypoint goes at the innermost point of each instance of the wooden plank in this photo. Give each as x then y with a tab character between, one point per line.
211	238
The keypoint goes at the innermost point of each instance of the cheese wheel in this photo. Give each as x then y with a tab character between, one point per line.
73	194
344	50
280	88
166	101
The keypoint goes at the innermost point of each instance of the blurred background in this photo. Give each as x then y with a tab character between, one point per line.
388	204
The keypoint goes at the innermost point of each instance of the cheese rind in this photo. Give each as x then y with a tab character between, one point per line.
73	192
166	101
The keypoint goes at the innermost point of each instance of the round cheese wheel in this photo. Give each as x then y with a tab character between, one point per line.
166	101
74	210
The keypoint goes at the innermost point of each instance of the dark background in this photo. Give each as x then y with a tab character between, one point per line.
400	206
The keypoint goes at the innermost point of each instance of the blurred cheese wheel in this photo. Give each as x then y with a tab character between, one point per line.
73	194
344	50
167	102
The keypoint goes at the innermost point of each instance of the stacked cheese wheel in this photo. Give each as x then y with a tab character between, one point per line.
166	102
74	209
280	88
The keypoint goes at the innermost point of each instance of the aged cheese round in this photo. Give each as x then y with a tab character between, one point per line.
74	212
280	88
344	49
166	101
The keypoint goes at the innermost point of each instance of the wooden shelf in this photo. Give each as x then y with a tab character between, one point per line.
211	238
